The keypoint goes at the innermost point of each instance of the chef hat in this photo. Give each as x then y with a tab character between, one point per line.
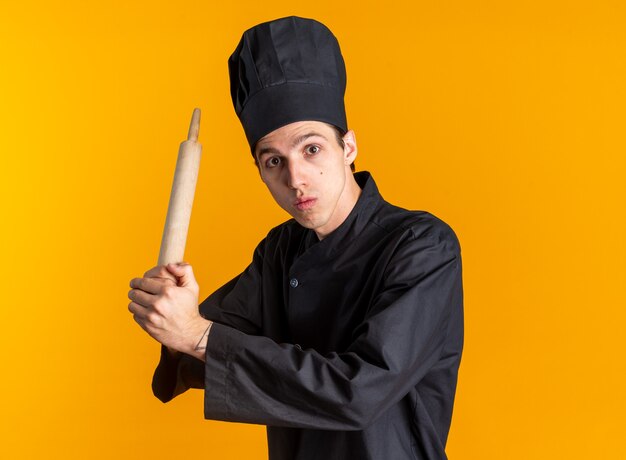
286	70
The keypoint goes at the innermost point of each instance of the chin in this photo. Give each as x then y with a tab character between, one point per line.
308	223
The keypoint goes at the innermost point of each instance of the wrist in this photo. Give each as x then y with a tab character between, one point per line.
198	338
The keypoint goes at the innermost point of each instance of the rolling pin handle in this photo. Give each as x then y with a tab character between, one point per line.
194	127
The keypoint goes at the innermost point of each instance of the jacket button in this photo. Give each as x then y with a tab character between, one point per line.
293	282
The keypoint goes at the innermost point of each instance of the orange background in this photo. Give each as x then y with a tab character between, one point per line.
505	119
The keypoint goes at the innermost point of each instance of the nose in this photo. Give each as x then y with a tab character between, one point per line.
296	174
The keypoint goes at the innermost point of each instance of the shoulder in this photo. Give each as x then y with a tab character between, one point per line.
417	228
418	243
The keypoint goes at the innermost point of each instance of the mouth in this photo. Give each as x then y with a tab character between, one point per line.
305	203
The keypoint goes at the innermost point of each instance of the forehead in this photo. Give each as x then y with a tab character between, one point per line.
285	135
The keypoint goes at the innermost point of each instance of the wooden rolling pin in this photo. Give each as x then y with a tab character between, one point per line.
181	197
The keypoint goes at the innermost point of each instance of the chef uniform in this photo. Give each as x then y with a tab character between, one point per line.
346	347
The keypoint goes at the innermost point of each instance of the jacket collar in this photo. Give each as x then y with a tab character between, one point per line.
355	222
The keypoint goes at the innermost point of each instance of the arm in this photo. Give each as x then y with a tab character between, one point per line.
253	379
176	372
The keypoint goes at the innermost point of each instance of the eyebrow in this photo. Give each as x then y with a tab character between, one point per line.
297	141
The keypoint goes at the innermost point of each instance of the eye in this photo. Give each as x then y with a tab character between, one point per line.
272	162
313	149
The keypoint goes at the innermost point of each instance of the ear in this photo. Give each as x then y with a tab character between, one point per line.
350	148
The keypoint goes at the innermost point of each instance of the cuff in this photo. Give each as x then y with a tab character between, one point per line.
219	378
165	376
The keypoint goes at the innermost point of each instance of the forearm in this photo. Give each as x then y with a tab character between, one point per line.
175	375
182	368
252	379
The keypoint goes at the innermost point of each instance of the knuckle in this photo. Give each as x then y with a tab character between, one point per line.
168	291
154	318
159	305
171	281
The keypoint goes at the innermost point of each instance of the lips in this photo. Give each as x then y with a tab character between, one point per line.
306	202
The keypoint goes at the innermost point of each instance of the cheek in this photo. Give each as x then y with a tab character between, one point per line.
281	196
273	190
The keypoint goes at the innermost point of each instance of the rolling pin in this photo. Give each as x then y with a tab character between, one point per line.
181	197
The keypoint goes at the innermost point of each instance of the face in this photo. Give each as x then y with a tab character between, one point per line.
308	173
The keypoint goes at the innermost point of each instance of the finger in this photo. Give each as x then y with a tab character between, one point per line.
159	272
141	322
151	285
143	298
139	312
144	318
184	272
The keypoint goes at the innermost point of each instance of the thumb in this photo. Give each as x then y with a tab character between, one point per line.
183	272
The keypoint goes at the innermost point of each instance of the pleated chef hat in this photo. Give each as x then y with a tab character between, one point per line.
286	70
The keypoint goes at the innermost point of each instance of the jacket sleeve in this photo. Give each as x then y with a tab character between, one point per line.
253	379
229	305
